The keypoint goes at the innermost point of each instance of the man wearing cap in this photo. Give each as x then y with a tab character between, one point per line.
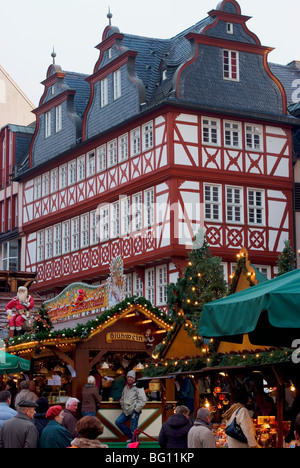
20	432
132	402
55	435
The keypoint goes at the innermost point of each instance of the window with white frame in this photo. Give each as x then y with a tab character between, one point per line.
128	287
104	223
45	184
37	188
47	124
40	246
137	212
125	216
229	28
135	140
117	85
63	176
104	92
123	148
213	202
264	270
148	136
162	283
150	285
256	206
138	287
230	65
54	180
115	220
58	118
81	168
9	214
84	234
48	243
72	172
254	137
210	131
10	256
75	234
91	164
234	205
57	240
66	237
94	235
112	150
233	134
149	207
101	158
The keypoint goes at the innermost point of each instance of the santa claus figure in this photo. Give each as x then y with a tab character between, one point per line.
22	304
81	297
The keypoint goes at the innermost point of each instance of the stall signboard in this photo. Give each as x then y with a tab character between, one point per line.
79	298
124	336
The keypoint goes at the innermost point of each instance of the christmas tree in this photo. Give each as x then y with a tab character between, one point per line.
203	282
286	260
42	322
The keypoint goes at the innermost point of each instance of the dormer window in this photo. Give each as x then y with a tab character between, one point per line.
164	75
58	118
104	92
117	85
229	28
230	65
47	124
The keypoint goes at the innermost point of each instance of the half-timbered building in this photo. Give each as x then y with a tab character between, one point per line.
165	137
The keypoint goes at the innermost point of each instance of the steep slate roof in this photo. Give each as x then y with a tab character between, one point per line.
77	81
287	75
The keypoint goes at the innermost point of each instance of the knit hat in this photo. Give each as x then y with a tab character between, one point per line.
53	412
43	405
131	374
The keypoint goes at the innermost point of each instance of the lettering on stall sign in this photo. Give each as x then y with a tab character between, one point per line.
123	336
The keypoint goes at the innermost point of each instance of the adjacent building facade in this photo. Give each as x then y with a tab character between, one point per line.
166	137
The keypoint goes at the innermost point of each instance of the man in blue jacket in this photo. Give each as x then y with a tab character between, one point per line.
6	412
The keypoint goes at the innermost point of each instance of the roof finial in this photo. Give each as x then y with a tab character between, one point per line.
53	55
109	16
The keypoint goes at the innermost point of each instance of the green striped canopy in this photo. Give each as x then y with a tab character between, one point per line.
10	364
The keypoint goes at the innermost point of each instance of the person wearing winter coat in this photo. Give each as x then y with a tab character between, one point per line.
25	394
20	432
6	412
55	435
89	429
70	420
239	411
40	420
91	398
174	432
132	402
200	435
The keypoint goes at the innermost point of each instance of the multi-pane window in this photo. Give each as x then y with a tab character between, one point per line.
91	164
101	158
255	206
128	290
123	148
149	285
63	176
47	124
94	237
115	220
212	203
10	256
81	168
126	216
137	212
104	92
40	246
230	65
149	207
72	172
147	136
57	240
135	137
210	131
75	234
112	153
84	238
48	243
45	184
254	137
117	85
162	283
137	285
54	181
37	188
233	134
66	237
234	205
58	118
104	223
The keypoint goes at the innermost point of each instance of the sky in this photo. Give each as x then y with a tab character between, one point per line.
30	29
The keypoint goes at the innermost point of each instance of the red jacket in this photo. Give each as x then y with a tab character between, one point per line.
16	304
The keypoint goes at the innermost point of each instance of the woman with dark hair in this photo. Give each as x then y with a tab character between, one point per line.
89	429
239	411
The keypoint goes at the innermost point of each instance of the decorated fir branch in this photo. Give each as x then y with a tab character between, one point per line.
241	268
